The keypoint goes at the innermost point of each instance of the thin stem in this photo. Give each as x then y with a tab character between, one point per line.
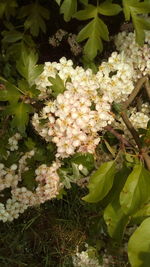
147	87
135	91
117	135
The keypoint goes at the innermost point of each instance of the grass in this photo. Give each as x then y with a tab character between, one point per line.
48	235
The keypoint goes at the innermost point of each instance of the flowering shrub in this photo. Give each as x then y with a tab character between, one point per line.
63	124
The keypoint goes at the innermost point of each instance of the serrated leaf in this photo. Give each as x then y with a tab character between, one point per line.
100	182
20	112
114	216
11	36
136	190
36	14
133	8
107	8
10	93
68	8
139	245
57	85
27	65
89	12
94	30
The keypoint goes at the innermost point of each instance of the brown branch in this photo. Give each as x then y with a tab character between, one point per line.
147	87
135	91
117	135
131	129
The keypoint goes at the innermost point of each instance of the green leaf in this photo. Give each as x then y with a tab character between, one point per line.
114	216
109	9
27	65
101	182
141	214
133	8
28	179
68	8
86	160
36	14
94	30
57	85
136	190
139	245
8	8
20	112
88	13
9	93
11	36
58	2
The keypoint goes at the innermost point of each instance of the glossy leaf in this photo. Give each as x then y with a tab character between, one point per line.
114	216
136	190
101	182
139	245
68	8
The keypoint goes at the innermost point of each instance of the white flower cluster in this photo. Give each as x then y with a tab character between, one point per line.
83	259
48	187
75	117
13	141
138	55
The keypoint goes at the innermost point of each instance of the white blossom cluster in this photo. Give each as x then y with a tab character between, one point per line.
13	141
72	123
48	187
85	258
138	55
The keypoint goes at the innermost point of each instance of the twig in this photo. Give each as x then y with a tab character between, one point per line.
131	129
135	91
117	135
147	87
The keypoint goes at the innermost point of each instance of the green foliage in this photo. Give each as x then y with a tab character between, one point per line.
27	65
101	182
136	190
68	8
8	8
114	216
134	8
57	86
35	15
139	245
9	93
96	29
20	113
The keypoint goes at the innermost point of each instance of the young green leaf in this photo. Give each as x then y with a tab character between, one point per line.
139	245
107	8
68	8
136	190
101	182
133	8
27	65
114	216
20	112
36	15
57	85
141	214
